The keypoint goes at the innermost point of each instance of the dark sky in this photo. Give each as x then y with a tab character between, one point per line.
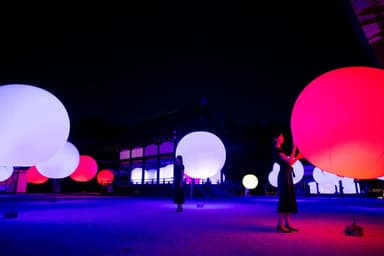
129	64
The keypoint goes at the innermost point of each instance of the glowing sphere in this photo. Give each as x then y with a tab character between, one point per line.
298	169
62	164
34	176
105	177
323	177
337	122
34	125
250	181
86	170
203	154
5	172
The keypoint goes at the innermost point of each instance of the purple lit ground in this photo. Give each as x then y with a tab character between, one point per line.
96	225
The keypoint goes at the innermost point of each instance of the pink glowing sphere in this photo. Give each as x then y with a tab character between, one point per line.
86	170
337	122
34	125
105	177
203	154
34	176
62	164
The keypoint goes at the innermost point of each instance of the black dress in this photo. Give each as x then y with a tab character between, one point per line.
285	187
178	173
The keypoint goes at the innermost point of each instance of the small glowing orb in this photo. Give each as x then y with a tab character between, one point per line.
105	177
34	176
86	170
34	125
250	181
298	169
337	122
5	172
323	177
62	164
203	154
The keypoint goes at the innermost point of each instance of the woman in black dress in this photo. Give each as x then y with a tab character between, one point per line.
178	176
285	187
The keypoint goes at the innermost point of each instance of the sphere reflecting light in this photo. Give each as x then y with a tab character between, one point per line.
337	122
250	181
86	170
203	154
62	164
34	125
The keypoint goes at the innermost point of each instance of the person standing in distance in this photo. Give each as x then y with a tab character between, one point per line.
178	182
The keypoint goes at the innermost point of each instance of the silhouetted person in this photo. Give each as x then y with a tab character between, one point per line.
178	176
285	187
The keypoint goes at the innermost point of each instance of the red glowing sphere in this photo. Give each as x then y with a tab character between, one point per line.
105	177
34	176
86	170
337	122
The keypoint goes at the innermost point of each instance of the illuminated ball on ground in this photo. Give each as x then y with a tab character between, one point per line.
5	172
86	170
298	169
105	177
337	122
34	125
250	181
203	154
62	164
34	176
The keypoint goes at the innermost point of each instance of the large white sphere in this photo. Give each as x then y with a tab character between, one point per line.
298	169
34	125
203	154
62	164
5	172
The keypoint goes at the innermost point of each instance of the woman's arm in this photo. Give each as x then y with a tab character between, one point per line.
291	159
